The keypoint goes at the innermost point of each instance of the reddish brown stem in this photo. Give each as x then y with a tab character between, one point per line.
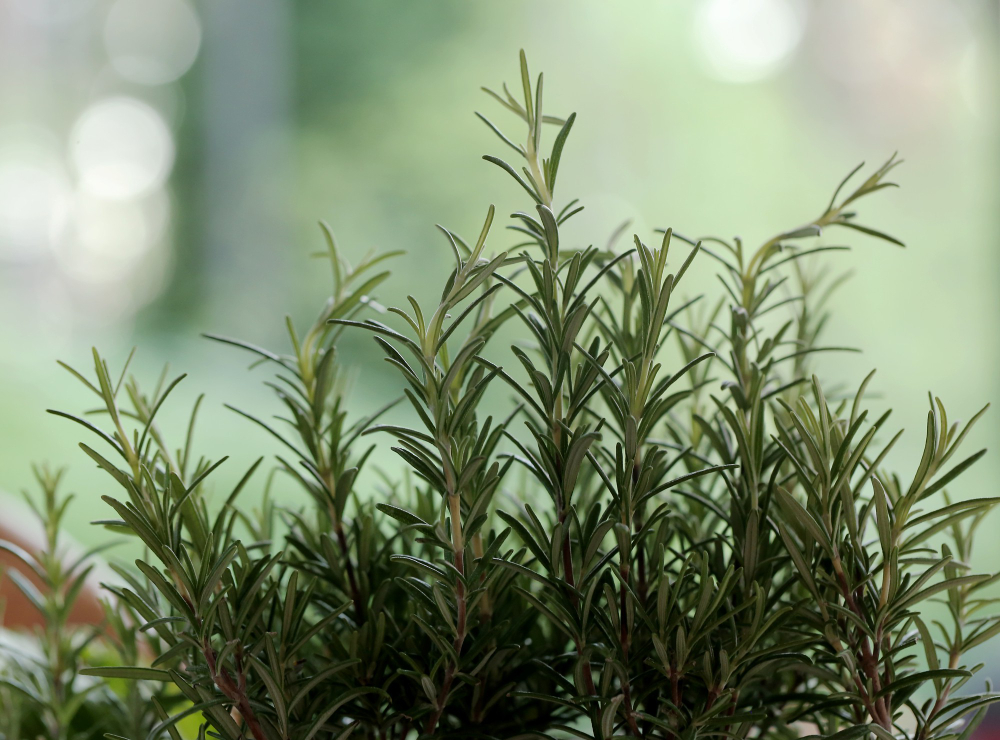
942	699
442	699
626	643
588	676
235	691
869	663
349	568
713	694
732	709
404	729
629	713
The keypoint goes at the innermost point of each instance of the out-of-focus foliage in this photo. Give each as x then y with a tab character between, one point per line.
43	692
715	548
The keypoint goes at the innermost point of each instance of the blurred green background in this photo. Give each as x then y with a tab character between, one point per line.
163	165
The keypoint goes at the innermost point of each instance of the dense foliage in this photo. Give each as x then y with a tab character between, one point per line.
709	548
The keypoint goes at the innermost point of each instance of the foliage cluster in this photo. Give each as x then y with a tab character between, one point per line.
710	549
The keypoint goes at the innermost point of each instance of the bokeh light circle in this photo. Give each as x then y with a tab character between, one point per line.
152	42
121	148
34	192
747	40
103	240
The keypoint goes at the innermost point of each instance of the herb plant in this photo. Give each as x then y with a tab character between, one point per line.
633	545
43	689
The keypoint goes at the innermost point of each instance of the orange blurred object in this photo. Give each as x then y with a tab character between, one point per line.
18	613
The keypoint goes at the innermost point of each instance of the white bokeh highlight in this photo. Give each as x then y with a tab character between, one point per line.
743	41
104	241
121	149
34	192
152	42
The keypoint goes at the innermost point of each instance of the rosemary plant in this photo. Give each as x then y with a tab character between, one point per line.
43	691
638	546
